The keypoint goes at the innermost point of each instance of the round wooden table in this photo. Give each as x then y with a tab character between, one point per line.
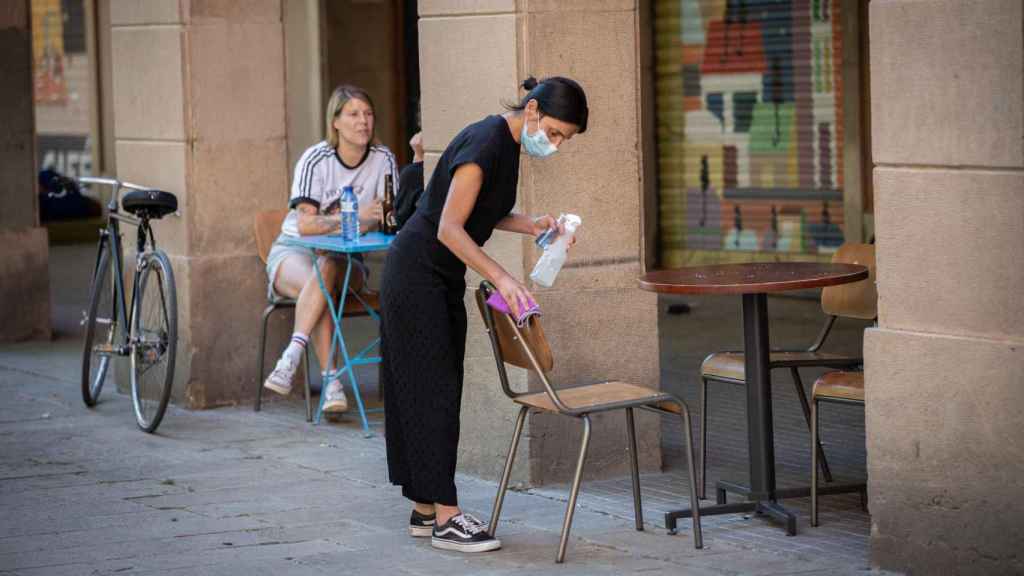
754	281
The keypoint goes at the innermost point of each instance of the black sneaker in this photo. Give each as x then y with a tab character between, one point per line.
421	525
463	533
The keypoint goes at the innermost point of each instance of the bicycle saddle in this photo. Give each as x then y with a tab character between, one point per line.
150	204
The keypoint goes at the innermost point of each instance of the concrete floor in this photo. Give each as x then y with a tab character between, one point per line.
229	491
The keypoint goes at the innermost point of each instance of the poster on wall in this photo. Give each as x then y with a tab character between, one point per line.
48	52
750	126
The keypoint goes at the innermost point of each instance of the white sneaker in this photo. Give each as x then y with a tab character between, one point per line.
280	380
336	401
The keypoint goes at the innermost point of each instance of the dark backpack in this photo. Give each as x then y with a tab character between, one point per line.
410	189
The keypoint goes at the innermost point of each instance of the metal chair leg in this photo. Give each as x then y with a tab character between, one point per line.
638	509
499	498
309	402
259	356
571	508
702	487
807	417
691	467
814	463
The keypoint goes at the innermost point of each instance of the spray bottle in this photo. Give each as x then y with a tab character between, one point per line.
555	247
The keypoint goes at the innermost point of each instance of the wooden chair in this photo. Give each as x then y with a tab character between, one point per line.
266	228
857	300
526	347
837	387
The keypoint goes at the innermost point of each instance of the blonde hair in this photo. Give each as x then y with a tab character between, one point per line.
341	95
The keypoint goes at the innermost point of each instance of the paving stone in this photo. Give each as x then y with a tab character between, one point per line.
230	491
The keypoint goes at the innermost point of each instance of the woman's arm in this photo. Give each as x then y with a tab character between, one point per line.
311	223
451	231
520	223
524	224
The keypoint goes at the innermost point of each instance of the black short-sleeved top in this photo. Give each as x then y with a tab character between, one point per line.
488	144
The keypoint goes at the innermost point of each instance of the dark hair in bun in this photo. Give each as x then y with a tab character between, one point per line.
558	97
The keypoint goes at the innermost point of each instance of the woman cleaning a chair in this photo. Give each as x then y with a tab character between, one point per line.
423	330
347	158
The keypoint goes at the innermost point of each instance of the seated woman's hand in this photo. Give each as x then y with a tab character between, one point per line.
370	216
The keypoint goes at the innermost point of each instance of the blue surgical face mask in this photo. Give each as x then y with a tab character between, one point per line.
537	144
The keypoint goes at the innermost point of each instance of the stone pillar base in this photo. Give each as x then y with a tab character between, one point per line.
24	285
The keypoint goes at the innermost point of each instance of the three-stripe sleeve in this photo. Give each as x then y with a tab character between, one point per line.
308	183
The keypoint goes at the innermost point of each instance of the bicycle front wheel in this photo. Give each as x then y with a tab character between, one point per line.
154	339
100	329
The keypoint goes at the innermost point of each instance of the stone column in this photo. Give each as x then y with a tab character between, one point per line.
199	106
472	56
468	66
602	326
945	366
24	276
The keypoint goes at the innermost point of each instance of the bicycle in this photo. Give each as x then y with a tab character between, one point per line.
150	340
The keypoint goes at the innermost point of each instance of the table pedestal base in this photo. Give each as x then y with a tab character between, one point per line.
772	509
761	504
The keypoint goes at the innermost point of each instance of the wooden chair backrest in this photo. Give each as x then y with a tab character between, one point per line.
266	229
509	346
859	299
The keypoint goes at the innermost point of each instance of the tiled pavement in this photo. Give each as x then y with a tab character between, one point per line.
232	492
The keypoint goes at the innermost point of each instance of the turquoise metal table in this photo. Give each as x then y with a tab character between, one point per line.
369	242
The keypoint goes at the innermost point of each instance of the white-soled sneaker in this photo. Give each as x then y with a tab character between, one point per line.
463	533
336	401
421	525
280	380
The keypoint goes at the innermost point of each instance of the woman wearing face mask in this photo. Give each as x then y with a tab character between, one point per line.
423	330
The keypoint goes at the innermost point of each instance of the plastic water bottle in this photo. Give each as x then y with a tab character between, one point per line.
554	253
349	215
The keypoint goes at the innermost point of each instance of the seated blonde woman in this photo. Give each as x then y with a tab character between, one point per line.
347	158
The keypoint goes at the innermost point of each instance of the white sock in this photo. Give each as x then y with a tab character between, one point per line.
297	347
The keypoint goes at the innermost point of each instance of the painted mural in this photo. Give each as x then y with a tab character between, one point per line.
750	125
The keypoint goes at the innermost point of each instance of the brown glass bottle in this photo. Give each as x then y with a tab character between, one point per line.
388	224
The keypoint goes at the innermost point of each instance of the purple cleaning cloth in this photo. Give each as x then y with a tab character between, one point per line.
497	302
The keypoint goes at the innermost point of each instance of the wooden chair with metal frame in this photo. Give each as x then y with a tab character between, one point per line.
835	387
857	300
266	228
527	347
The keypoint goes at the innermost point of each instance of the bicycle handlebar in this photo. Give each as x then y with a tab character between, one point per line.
116	184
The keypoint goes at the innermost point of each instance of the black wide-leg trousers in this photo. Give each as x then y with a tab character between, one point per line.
423	345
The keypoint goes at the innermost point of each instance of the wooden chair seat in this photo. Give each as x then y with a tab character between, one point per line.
832	387
596	397
731	365
839	386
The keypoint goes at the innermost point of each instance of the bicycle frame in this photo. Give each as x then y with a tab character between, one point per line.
112	233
